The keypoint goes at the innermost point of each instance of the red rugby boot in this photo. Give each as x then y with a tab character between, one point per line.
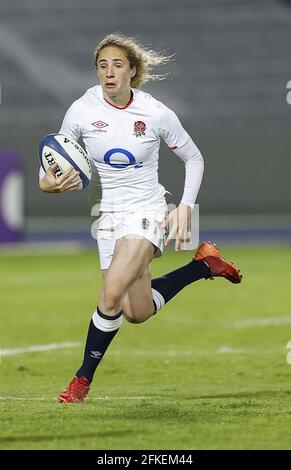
219	267
76	391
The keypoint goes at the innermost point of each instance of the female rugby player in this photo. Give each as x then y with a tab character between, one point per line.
121	127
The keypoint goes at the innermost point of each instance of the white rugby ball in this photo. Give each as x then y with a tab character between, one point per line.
65	152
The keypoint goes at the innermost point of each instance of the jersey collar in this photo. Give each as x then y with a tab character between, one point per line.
121	107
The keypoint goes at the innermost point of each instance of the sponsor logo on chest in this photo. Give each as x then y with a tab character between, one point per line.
139	127
100	126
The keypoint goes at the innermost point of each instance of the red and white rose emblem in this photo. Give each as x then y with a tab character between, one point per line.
139	128
145	223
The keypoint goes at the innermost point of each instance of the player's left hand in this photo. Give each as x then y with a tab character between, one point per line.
179	220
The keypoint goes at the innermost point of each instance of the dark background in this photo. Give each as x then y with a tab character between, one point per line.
227	84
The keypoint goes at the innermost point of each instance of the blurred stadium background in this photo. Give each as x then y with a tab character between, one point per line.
210	371
228	84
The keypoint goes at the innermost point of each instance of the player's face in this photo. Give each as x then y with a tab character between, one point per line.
114	72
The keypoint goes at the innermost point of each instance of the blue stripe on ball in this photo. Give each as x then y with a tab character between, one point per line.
50	141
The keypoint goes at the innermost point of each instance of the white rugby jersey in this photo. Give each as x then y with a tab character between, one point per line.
123	144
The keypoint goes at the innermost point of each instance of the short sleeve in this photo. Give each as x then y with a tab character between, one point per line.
70	125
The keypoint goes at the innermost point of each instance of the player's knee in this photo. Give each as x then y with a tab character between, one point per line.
131	318
112	296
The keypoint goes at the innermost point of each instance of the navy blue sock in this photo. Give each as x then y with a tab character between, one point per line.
170	284
98	341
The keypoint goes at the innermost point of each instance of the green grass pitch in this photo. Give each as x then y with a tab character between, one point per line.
208	372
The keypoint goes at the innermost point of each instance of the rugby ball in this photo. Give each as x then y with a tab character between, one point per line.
65	152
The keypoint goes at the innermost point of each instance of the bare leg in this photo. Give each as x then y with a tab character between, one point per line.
137	304
129	265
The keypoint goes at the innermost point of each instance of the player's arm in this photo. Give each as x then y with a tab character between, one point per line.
70	180
181	143
180	218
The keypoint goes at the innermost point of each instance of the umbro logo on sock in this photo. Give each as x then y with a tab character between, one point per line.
95	354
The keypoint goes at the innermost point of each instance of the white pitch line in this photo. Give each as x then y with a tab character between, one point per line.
189	353
147	352
88	399
38	348
24	399
40	248
229	350
268	321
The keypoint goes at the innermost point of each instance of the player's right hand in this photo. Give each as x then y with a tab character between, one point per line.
69	181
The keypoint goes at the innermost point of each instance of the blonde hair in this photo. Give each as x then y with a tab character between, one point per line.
143	59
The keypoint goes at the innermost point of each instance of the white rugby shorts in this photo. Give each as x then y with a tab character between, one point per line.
146	222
